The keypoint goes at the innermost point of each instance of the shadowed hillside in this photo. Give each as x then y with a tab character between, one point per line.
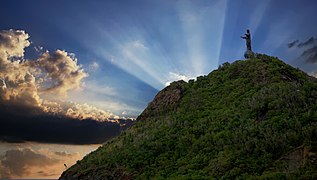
254	118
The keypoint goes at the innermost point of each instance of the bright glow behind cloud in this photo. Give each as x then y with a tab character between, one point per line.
176	77
39	85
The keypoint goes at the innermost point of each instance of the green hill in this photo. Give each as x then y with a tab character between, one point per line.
255	118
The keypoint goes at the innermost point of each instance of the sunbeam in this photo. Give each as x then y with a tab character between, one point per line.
203	29
258	14
135	51
81	72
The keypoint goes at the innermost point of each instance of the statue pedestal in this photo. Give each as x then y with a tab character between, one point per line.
248	54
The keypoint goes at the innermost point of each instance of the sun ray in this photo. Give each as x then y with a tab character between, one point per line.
134	50
258	13
203	28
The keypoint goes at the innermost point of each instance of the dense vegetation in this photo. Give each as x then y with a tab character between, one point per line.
255	118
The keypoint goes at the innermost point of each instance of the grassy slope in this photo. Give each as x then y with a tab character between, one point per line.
238	121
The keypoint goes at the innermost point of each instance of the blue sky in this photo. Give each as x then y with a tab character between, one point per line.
139	46
131	49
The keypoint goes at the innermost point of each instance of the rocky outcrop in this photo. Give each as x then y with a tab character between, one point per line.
166	100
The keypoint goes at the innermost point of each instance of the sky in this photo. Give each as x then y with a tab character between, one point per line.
70	71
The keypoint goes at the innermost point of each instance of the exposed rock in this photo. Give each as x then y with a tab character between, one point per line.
165	100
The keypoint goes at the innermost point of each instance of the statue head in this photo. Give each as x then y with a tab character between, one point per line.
248	31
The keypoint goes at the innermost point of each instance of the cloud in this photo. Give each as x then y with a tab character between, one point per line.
13	42
310	55
32	92
93	66
306	43
85	111
292	44
55	129
38	49
176	77
138	44
59	72
17	85
30	163
17	162
32	84
299	44
309	51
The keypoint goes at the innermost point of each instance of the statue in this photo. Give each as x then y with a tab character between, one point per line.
248	53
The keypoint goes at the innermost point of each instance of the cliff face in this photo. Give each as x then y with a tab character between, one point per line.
165	101
250	119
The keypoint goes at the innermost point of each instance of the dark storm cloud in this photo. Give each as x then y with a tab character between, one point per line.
292	44
54	129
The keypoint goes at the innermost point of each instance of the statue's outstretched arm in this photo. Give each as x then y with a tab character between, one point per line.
243	37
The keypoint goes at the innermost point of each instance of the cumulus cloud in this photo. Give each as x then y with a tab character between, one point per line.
18	85
176	77
31	92
85	111
28	83
27	162
13	42
59	72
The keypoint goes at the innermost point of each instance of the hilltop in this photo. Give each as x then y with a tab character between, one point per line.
254	118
